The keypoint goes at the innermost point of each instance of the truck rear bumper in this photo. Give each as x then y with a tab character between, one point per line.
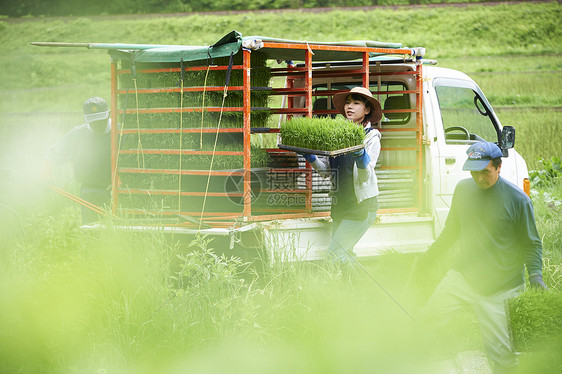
295	240
308	238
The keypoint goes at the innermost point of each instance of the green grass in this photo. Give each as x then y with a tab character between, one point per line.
82	7
537	132
74	301
475	65
480	32
521	89
125	302
536	317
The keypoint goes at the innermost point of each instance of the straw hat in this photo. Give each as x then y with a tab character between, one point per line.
374	115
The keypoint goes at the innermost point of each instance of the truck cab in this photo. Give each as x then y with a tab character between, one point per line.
458	114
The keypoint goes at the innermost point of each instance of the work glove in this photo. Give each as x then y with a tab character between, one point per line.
361	158
358	153
536	282
310	158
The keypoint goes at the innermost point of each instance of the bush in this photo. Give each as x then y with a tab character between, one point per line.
551	170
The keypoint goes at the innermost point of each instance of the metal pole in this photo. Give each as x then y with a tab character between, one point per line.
308	106
114	139
419	123
247	161
366	70
79	200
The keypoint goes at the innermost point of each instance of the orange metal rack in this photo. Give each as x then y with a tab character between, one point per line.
249	212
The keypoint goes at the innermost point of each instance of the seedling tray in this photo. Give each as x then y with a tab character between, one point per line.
337	152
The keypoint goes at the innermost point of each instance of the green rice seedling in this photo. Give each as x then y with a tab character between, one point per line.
190	141
192	99
258	118
259	158
158	204
148	202
149	182
536	320
130	83
157	141
189	162
169	182
156	201
160	100
152	200
131	99
260	75
185	120
323	134
168	100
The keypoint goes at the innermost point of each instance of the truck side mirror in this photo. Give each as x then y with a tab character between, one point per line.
508	139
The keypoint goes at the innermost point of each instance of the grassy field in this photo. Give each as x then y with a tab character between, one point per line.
117	302
508	49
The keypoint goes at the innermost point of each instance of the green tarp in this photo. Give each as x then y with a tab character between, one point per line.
228	44
232	43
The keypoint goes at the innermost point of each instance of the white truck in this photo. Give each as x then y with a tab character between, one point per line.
181	109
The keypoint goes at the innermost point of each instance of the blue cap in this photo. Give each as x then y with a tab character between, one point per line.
480	154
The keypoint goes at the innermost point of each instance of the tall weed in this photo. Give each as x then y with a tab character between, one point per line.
547	201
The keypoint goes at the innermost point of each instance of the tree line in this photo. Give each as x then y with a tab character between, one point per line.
49	8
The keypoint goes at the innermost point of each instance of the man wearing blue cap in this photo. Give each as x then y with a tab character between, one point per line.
493	223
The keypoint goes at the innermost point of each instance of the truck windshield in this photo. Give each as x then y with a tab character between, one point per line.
389	97
465	118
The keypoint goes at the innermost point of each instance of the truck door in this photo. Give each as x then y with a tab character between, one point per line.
465	117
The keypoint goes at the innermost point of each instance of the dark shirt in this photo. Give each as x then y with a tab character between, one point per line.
496	232
89	153
343	192
344	200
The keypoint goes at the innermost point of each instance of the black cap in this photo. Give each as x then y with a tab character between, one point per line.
95	109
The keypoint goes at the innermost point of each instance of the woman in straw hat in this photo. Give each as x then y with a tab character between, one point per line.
355	189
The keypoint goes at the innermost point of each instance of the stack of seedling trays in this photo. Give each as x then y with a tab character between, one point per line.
321	136
324	137
170	143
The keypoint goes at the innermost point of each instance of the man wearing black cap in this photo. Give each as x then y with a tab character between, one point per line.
88	148
493	223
